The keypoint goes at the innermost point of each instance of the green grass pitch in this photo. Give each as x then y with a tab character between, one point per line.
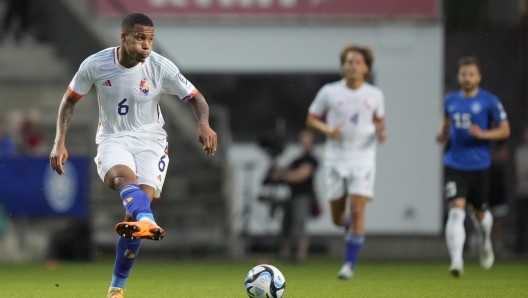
316	278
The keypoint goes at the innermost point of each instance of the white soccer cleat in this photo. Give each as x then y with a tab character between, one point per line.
346	272
486	256
457	269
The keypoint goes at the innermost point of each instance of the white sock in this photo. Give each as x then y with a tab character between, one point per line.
483	228
455	234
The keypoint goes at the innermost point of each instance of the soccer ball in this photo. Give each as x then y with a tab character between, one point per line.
265	281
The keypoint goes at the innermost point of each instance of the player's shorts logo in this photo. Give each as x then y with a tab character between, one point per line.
144	86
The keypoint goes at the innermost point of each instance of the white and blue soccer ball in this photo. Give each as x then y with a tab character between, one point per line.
265	281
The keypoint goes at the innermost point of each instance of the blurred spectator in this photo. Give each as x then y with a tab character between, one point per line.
15	118
32	134
521	170
299	176
7	147
16	10
500	155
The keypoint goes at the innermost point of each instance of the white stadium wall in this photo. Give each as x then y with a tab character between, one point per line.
408	68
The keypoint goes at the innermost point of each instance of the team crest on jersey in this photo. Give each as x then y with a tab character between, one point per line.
476	108
367	103
144	86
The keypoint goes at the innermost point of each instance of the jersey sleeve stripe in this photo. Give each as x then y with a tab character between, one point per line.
74	94
376	118
190	96
315	116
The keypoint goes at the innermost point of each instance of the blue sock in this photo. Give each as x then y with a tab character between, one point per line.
135	201
126	253
353	244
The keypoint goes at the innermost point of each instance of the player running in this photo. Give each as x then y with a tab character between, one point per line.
350	113
468	117
132	145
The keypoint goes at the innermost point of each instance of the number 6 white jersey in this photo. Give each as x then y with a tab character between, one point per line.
352	111
129	98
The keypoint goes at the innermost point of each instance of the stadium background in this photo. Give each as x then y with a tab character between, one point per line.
259	64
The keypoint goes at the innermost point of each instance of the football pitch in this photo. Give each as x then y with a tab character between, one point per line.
316	278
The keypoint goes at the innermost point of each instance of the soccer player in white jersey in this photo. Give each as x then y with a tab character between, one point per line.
351	114
132	145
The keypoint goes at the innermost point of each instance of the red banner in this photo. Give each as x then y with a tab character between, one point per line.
272	8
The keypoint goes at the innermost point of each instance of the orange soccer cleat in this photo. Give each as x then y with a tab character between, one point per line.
142	229
117	293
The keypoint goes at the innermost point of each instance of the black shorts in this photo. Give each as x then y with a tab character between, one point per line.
472	185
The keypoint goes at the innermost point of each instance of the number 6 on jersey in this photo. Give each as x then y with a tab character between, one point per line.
122	108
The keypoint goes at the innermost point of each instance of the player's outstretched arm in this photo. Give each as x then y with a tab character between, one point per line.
59	155
501	132
443	130
206	135
314	123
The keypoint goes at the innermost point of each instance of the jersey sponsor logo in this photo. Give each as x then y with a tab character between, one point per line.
476	108
182	78
144	86
127	200
107	83
451	108
128	254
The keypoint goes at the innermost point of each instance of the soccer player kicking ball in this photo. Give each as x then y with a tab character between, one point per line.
132	145
468	116
350	113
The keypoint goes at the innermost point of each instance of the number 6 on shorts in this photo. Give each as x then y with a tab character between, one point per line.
161	164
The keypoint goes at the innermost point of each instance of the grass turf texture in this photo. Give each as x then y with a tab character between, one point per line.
317	278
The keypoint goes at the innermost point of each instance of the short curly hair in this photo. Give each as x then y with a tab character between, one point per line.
135	18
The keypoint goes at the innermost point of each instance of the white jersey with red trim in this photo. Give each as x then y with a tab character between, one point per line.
353	111
129	97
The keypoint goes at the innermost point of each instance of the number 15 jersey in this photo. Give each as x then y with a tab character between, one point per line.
465	152
128	98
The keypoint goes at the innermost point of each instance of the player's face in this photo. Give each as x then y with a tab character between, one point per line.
469	77
354	67
138	42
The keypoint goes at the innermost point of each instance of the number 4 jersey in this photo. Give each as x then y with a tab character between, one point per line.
129	98
465	152
352	111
